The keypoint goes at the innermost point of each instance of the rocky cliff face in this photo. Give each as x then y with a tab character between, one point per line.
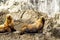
49	7
28	11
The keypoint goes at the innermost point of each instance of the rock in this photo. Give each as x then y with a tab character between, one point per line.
56	32
30	15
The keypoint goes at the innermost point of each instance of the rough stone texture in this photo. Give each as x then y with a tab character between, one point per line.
24	13
51	29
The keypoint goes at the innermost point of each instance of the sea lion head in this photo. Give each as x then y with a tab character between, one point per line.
8	17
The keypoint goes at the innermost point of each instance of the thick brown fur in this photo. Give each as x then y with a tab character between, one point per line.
8	25
35	27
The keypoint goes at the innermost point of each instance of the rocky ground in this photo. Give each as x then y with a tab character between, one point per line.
23	12
51	30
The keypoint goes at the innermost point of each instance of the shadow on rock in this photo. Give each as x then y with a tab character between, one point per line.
56	32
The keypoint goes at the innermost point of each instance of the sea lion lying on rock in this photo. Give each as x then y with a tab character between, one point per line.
35	27
8	25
